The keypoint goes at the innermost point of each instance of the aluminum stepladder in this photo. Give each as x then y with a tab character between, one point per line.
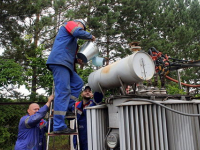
68	115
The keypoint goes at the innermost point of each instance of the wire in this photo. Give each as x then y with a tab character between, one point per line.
189	85
104	147
178	112
181	113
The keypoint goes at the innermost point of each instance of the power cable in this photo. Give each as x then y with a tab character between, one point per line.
189	85
146	100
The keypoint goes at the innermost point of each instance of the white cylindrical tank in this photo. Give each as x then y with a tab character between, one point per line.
133	69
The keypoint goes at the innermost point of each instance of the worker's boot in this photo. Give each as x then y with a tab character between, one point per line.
67	130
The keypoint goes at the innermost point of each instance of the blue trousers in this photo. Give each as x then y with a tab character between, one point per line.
67	84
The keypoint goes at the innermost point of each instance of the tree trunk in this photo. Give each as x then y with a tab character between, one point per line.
34	68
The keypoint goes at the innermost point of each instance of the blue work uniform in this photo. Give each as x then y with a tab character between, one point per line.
61	62
82	120
31	131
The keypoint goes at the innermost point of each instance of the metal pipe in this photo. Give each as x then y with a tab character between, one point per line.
179	80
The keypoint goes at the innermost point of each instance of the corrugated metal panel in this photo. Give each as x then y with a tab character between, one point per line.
197	121
146	126
142	127
151	127
181	129
97	127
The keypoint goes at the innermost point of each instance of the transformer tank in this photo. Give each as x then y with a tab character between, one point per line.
135	68
139	120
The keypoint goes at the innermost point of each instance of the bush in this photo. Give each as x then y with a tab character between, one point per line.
10	116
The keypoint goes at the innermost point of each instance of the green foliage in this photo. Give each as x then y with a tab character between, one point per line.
5	99
25	50
10	116
44	76
84	73
41	98
11	72
197	95
174	89
172	27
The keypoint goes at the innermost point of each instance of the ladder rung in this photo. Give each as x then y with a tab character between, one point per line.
68	115
58	134
72	117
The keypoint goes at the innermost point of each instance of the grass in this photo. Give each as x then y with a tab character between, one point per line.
61	142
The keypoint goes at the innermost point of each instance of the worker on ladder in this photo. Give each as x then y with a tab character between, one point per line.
81	106
61	62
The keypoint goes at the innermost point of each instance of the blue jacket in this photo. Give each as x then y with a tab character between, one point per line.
65	45
31	131
82	120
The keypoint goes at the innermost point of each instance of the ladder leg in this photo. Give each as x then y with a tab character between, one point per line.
54	143
49	125
50	114
76	122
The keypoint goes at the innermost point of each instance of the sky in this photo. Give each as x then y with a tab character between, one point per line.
1	51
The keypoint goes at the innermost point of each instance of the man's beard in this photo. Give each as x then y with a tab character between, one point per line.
87	98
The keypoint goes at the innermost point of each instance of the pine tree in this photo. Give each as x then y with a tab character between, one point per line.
35	30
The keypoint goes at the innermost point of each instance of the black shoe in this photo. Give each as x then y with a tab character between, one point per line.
67	130
70	114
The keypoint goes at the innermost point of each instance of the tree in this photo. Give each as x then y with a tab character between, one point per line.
24	45
10	77
43	76
37	26
12	12
170	26
180	31
101	18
